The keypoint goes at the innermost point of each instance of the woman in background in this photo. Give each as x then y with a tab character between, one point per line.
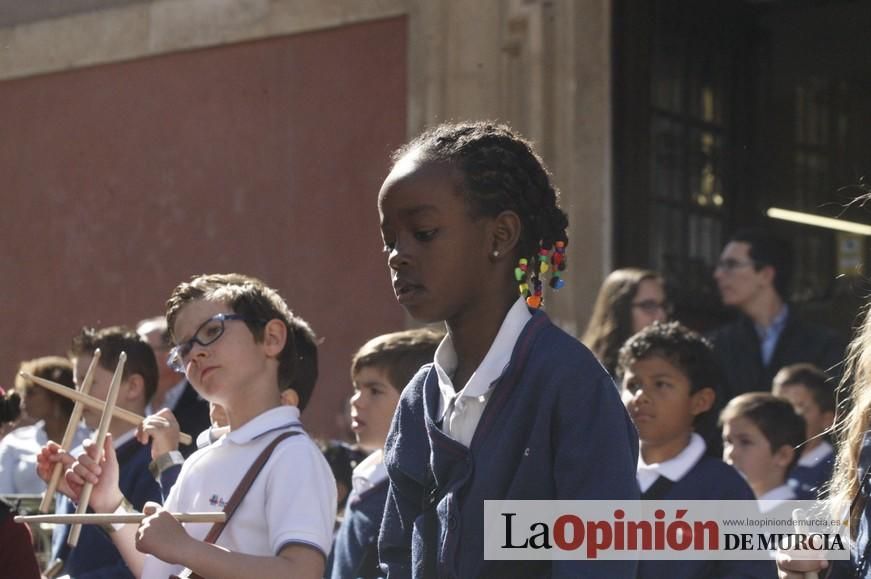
19	448
629	300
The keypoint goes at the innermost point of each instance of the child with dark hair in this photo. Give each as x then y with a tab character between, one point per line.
379	371
760	435
17	558
812	394
96	556
670	378
512	407
234	344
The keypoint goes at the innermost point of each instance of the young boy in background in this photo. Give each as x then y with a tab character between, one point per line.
812	394
760	435
96	556
669	380
379	371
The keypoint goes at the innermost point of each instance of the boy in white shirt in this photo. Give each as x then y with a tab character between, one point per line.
232	336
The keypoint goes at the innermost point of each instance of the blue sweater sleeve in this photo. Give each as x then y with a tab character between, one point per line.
402	508
596	455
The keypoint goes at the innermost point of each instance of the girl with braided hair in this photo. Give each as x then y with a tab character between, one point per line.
512	407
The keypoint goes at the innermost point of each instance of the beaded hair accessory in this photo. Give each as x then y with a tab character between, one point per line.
551	257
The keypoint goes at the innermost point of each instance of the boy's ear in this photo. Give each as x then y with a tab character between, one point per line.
505	233
702	400
784	455
274	337
289	397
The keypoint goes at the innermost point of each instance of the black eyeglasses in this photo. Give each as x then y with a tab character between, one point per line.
729	265
208	333
651	307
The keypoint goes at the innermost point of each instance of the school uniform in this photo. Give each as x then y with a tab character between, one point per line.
293	500
693	476
95	556
18	452
812	472
355	550
550	425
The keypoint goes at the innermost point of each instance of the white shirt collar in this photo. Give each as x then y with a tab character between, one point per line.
369	472
823	450
781	493
493	364
273	419
675	468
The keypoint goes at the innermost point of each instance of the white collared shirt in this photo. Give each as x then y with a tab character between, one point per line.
292	500
773	498
460	411
673	469
369	473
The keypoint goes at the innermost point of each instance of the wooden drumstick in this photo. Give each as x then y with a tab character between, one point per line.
70	434
111	518
105	420
95	403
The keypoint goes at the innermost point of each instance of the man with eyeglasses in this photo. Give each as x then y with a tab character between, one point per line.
753	275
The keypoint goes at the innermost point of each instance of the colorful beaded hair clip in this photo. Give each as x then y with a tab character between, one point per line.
550	258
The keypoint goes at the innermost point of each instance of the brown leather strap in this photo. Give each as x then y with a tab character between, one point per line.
241	491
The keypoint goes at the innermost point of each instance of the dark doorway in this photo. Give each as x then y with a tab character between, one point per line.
724	109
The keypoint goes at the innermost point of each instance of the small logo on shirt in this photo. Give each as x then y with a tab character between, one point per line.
217	501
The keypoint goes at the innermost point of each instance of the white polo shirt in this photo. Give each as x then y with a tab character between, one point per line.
461	411
293	500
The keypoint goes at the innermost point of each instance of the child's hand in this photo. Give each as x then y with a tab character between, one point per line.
789	568
50	455
162	427
106	495
160	534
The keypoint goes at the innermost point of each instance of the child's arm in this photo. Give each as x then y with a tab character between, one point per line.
106	496
595	455
404	495
164	537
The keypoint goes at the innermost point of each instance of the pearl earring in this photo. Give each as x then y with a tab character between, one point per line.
495	253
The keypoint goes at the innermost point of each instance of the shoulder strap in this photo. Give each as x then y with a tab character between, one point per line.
244	485
238	495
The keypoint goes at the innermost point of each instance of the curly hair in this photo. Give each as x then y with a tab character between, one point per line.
499	171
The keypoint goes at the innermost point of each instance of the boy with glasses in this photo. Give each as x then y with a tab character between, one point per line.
233	342
753	276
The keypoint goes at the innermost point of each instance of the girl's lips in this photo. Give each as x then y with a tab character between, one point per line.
357	424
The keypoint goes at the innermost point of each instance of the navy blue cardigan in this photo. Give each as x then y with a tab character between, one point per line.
355	550
554	428
709	479
95	557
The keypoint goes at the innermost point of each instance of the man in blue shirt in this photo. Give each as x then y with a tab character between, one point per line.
753	276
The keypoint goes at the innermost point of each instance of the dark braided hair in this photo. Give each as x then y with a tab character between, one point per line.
500	172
